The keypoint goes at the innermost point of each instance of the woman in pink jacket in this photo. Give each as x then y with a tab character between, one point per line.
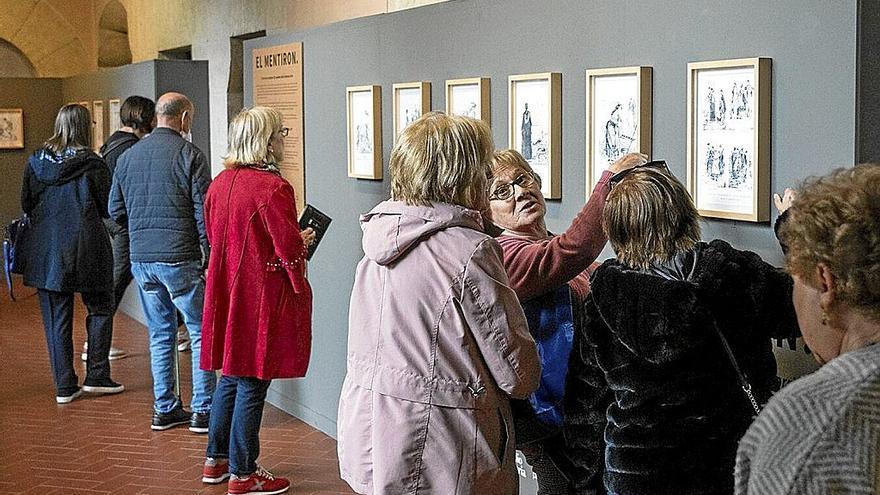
438	343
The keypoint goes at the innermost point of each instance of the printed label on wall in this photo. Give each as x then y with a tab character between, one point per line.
277	83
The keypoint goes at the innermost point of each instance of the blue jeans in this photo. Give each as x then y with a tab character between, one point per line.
165	287
234	425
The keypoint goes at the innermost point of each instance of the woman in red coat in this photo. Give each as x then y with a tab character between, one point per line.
258	304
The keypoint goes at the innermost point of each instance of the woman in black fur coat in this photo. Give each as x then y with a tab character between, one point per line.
653	399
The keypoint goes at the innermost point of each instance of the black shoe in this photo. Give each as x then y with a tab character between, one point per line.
174	417
198	423
105	386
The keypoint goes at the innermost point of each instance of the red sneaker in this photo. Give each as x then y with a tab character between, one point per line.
262	482
215	471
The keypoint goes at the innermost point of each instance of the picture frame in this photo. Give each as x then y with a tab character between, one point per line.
364	131
114	123
98	126
470	97
728	142
536	132
11	128
619	110
410	101
88	106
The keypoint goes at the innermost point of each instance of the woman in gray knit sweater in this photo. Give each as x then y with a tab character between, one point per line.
821	434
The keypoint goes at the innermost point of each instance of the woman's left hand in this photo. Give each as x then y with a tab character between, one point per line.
308	236
784	202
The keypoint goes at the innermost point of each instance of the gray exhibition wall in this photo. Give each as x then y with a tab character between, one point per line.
811	42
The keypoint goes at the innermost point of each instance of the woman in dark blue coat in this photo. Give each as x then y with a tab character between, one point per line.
66	249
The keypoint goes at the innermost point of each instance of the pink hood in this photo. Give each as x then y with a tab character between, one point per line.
393	227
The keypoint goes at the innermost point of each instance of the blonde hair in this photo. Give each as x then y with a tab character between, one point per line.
249	135
649	217
73	129
835	220
442	158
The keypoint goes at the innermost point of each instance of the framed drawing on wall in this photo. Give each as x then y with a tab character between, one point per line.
114	124
364	124
411	100
728	145
619	103
535	126
98	126
11	128
469	97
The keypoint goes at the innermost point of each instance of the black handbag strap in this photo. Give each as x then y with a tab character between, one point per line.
741	376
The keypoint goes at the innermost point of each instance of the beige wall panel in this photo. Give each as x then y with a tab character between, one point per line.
301	14
395	5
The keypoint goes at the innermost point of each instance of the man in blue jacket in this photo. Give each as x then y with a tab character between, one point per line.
158	191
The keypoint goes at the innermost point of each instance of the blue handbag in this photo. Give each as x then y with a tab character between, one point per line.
10	241
551	324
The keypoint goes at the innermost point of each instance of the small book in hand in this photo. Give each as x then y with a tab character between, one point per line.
319	222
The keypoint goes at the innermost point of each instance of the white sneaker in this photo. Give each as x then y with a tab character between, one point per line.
65	399
182	342
115	353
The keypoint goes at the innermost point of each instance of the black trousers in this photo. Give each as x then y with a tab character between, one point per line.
57	309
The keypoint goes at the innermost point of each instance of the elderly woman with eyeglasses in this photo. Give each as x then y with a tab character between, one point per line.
679	330
540	264
819	434
257	323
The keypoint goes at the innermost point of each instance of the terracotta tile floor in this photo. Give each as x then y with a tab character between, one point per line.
104	444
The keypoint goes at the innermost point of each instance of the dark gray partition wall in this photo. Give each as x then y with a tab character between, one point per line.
868	82
40	100
811	42
150	79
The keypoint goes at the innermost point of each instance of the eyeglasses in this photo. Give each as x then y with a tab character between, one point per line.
504	191
284	131
661	164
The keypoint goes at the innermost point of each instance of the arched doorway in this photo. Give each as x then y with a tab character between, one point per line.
14	63
113	47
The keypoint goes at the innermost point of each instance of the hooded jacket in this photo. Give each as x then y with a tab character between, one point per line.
66	247
650	383
438	343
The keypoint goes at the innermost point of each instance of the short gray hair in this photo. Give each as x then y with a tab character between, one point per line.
174	106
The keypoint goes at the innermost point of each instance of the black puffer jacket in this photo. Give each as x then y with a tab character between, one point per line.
66	247
675	411
158	192
118	143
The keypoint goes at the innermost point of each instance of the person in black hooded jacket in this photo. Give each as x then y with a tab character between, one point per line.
66	249
650	377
